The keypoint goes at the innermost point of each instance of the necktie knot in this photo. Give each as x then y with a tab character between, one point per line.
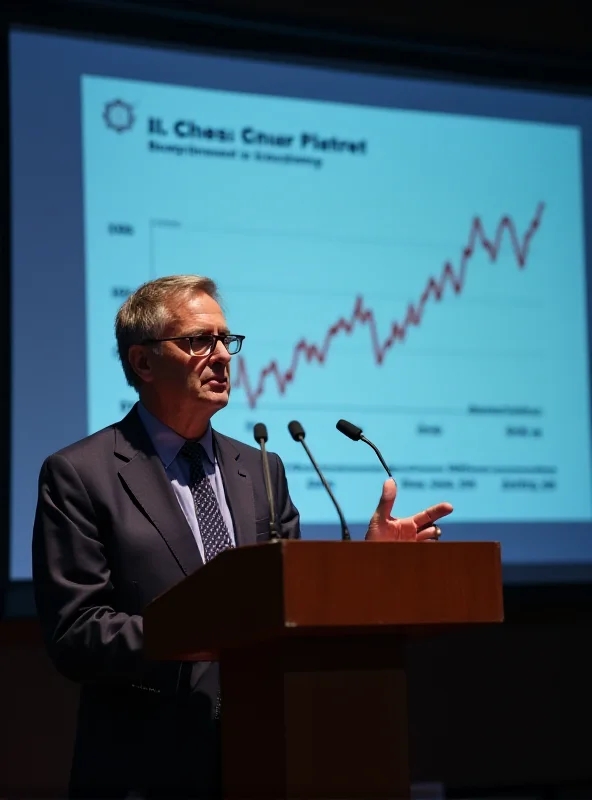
193	452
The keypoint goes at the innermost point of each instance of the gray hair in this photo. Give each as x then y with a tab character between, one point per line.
146	312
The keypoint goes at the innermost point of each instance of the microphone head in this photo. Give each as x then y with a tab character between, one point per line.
260	432
347	428
296	430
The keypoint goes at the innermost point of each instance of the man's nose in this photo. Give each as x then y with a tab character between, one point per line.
220	353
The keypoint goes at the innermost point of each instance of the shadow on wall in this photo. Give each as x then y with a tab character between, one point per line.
38	716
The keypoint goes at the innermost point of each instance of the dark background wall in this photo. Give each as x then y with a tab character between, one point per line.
506	708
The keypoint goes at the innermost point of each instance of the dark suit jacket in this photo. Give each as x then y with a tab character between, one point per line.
110	536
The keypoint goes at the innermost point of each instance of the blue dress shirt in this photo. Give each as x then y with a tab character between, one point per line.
167	444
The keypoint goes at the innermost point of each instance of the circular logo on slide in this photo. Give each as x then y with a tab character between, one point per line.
119	116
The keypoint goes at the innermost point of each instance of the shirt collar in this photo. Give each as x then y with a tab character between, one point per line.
168	442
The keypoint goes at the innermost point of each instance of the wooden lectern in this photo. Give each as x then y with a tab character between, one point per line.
310	637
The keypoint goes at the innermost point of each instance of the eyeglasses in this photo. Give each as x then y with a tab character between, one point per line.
205	343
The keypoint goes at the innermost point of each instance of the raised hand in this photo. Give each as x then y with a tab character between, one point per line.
383	527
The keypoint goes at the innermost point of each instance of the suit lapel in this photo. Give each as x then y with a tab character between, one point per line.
239	490
144	475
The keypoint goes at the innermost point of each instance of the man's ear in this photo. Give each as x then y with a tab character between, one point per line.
140	358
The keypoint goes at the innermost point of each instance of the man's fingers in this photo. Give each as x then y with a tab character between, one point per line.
387	499
430	515
426	534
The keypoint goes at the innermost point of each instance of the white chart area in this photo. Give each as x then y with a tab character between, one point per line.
422	275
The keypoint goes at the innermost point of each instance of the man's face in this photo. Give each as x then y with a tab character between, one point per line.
180	379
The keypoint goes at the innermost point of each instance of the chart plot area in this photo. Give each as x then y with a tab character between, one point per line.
364	316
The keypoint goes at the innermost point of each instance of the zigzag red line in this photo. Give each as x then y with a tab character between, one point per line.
365	316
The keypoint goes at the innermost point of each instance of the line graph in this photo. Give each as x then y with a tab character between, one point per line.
362	315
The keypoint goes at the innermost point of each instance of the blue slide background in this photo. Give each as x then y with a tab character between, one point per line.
376	224
292	246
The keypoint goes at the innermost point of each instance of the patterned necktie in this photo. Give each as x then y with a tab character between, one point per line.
212	528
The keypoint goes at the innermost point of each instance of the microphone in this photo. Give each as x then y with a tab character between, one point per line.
355	433
297	433
260	434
